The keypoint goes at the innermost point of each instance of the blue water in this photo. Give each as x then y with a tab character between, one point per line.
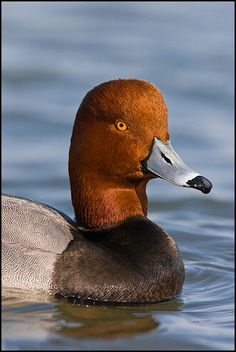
53	53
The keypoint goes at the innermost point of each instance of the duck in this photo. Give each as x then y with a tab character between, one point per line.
110	252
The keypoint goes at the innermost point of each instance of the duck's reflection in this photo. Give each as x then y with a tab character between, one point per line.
79	321
106	322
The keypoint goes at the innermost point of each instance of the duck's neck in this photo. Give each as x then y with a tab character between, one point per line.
99	204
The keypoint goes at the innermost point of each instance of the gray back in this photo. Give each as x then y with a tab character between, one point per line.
33	235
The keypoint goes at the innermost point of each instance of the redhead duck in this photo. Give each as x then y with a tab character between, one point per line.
111	252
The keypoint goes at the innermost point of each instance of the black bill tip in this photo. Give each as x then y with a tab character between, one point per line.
201	183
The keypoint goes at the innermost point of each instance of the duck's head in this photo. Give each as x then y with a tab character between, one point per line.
120	140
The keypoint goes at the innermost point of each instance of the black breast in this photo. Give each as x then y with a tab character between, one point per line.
133	262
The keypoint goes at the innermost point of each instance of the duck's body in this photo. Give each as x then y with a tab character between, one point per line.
111	252
131	262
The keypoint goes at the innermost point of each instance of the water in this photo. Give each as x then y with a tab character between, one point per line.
53	53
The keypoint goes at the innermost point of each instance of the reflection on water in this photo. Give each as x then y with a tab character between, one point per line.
77	321
103	322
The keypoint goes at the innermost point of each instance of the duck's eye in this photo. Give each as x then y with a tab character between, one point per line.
121	126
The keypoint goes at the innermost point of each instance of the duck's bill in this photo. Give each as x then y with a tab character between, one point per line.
164	162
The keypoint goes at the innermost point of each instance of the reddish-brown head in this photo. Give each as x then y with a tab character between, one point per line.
115	126
120	140
113	132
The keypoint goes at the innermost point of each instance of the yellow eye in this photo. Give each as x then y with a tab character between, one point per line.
121	126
